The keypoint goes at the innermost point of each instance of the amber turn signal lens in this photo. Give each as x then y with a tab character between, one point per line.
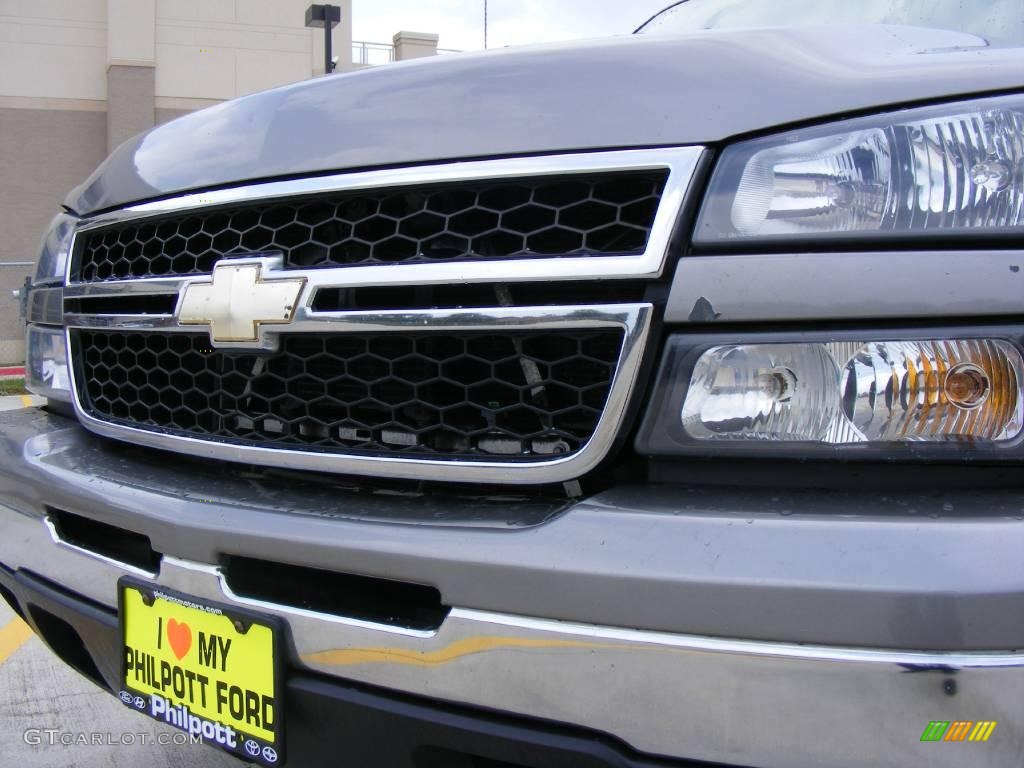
966	386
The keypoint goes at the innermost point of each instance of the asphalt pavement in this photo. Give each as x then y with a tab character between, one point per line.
13	402
52	717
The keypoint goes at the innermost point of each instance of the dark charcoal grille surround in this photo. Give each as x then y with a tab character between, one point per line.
481	394
602	214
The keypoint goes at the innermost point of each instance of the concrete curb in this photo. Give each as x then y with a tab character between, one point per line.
14	402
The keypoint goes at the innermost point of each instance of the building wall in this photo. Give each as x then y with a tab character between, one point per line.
164	114
78	77
130	102
220	49
45	152
53	49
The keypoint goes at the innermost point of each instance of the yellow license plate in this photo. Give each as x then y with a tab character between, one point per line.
210	670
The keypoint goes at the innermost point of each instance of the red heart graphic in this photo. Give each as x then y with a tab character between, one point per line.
180	637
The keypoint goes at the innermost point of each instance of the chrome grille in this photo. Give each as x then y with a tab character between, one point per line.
549	217
522	395
476	364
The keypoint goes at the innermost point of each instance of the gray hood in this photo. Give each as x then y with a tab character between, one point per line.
624	92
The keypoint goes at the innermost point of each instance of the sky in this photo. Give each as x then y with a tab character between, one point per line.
460	23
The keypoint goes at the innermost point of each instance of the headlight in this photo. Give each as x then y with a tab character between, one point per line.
956	168
46	363
845	395
53	255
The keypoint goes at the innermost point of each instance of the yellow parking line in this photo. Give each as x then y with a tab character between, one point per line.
12	636
26	401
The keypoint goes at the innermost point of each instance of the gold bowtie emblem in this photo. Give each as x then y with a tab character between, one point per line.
237	301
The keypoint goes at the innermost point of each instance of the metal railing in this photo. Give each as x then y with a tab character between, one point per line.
366	54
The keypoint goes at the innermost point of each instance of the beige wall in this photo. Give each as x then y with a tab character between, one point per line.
45	152
220	49
131	31
53	48
165	115
130	103
212	49
78	77
414	45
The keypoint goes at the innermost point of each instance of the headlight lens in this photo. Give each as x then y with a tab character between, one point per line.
46	363
957	168
850	392
841	394
53	255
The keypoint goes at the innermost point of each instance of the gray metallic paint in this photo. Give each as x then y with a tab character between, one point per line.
908	570
850	568
820	287
628	92
705	698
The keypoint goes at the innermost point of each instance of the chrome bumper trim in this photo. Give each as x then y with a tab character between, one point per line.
730	701
633	319
680	162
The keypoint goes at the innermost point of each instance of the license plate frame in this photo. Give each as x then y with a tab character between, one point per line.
248	746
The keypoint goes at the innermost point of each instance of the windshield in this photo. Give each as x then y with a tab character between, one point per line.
1000	21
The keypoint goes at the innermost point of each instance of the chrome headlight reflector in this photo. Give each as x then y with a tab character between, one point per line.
955	168
46	363
845	395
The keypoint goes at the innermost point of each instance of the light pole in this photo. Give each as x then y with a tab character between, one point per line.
485	24
326	16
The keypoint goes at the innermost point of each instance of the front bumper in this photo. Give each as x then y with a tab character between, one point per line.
855	630
331	718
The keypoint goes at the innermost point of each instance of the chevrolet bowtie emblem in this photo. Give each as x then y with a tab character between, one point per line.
238	300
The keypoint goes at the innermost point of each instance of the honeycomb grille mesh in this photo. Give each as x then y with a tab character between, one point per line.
513	395
604	214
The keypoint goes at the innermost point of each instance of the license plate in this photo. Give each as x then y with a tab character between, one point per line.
207	669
